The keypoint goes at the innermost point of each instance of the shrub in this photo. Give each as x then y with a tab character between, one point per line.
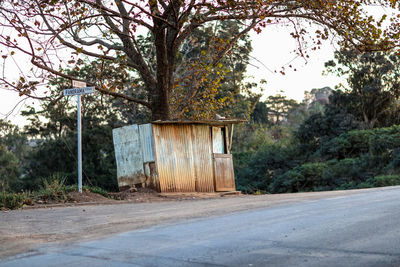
12	200
342	174
348	172
96	190
348	144
262	167
386	180
52	188
9	169
305	177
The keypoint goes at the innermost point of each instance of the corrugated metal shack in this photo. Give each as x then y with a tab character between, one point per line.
176	156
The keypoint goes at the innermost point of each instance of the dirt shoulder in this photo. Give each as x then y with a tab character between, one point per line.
22	230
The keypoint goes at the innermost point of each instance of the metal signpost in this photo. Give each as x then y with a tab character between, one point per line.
80	89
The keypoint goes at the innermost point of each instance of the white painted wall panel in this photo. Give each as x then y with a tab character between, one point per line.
128	155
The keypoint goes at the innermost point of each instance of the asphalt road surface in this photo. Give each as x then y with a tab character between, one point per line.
361	229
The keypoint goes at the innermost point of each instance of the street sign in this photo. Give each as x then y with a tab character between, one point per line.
79	91
78	84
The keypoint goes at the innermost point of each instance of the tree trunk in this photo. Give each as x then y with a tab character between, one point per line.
165	56
160	104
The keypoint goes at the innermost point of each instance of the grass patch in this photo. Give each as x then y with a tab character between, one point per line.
96	190
52	190
14	200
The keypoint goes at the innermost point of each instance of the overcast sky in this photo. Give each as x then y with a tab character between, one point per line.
273	48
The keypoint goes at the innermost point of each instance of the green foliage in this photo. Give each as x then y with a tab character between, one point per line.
52	188
262	166
319	128
374	81
378	141
96	190
14	140
279	108
12	200
260	113
56	127
330	175
256	136
386	180
58	156
305	177
355	159
9	170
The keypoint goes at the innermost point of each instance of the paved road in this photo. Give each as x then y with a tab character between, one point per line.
353	230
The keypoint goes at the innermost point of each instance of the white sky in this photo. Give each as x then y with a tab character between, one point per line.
273	48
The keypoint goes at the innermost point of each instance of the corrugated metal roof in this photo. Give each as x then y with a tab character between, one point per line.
208	122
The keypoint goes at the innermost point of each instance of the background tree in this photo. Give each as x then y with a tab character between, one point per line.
374	85
14	148
279	108
109	30
9	170
13	139
54	125
54	130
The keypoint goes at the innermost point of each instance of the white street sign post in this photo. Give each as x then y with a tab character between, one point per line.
80	89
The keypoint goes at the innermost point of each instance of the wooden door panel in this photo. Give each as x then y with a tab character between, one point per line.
223	169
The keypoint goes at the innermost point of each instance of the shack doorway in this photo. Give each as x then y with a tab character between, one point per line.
223	165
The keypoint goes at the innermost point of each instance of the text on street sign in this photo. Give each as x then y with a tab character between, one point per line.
79	91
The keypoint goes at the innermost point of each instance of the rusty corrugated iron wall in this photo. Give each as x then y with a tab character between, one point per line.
183	157
202	154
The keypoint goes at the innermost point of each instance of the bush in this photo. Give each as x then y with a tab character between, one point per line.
9	169
348	172
55	156
306	177
357	142
386	180
346	145
262	167
96	190
53	188
335	174
384	140
12	200
355	159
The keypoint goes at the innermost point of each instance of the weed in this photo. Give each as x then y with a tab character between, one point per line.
14	200
96	190
52	188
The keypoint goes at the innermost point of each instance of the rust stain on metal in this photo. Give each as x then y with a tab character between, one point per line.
184	159
202	158
151	176
175	157
204	122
